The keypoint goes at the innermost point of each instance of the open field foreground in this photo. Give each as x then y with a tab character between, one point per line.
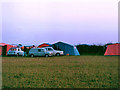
60	72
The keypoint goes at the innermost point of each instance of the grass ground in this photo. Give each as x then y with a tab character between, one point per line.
60	72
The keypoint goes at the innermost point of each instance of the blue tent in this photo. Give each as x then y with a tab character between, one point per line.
67	48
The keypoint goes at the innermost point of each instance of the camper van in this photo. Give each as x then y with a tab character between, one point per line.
39	52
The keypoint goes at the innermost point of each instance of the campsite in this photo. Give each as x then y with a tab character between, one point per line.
68	49
97	68
66	44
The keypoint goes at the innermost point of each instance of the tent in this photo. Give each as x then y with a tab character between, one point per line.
67	48
27	48
4	48
113	49
45	45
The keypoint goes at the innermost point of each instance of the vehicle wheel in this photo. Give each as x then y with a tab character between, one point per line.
17	54
32	55
46	55
57	54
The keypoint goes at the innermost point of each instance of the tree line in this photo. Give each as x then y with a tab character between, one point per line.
85	49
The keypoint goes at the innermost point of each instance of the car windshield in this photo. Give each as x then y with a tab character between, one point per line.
50	49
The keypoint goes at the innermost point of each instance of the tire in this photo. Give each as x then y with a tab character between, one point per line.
57	54
32	55
46	55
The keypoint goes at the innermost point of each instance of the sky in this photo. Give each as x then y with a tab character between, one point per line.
48	21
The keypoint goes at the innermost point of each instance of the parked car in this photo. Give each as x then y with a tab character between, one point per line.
15	51
39	52
55	52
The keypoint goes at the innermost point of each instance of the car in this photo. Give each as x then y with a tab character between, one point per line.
55	52
39	52
15	51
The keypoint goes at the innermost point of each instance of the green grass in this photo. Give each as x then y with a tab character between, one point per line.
60	72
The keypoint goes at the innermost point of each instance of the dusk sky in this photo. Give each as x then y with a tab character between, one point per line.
72	21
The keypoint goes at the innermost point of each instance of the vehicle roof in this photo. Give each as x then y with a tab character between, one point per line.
37	48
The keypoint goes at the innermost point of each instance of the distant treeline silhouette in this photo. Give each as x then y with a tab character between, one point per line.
85	49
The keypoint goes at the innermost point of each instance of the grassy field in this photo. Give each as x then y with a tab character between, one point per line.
60	72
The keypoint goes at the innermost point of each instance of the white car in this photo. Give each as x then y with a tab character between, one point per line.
55	52
15	51
39	52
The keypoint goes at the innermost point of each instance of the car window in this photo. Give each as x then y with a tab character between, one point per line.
49	49
42	50
39	50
